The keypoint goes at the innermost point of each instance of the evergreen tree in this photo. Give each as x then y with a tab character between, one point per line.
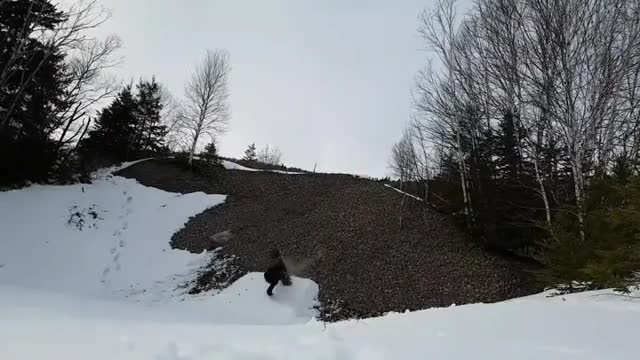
32	82
150	133
113	137
211	153
130	126
609	256
250	153
508	159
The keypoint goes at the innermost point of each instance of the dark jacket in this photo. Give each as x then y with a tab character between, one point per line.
276	272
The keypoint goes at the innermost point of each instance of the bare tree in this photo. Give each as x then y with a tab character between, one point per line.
438	97
596	51
169	117
403	159
423	155
270	155
67	36
88	86
206	109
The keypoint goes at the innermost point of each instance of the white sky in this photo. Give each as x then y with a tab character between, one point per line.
328	82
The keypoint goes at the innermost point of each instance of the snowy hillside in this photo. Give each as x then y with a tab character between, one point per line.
86	272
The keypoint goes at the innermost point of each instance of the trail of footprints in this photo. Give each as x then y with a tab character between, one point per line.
120	242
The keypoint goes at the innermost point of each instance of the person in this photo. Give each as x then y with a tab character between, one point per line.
276	273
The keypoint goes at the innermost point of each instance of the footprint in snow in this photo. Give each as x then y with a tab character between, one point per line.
116	262
105	273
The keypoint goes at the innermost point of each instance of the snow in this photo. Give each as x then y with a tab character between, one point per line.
106	238
109	241
596	325
106	172
230	165
286	172
86	272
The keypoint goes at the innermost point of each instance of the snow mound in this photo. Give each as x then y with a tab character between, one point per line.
289	304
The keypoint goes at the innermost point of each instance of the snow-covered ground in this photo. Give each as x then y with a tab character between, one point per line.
86	272
230	165
39	325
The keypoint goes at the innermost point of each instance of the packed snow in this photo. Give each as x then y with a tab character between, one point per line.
230	165
86	272
109	240
596	325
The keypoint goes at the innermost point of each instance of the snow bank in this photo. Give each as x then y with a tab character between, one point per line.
229	165
109	241
109	238
585	326
233	166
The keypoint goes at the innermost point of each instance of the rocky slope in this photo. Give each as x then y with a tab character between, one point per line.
344	233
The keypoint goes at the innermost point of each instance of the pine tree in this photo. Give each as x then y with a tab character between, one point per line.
509	162
150	133
211	153
130	126
113	137
32	83
250	153
609	256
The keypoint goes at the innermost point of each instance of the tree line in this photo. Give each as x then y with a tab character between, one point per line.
527	123
54	77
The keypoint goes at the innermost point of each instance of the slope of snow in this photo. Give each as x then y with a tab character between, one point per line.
109	240
585	326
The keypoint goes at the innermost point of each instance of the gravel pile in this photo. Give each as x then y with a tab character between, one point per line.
344	233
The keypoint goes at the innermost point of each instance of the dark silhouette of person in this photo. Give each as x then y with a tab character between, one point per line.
276	273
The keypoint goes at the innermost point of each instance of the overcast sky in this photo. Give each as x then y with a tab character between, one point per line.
328	82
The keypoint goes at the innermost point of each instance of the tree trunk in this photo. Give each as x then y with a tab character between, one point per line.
578	180
463	181
193	148
543	194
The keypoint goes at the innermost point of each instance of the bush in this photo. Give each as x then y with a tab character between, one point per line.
609	256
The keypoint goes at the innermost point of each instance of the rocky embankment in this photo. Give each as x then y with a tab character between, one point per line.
344	233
